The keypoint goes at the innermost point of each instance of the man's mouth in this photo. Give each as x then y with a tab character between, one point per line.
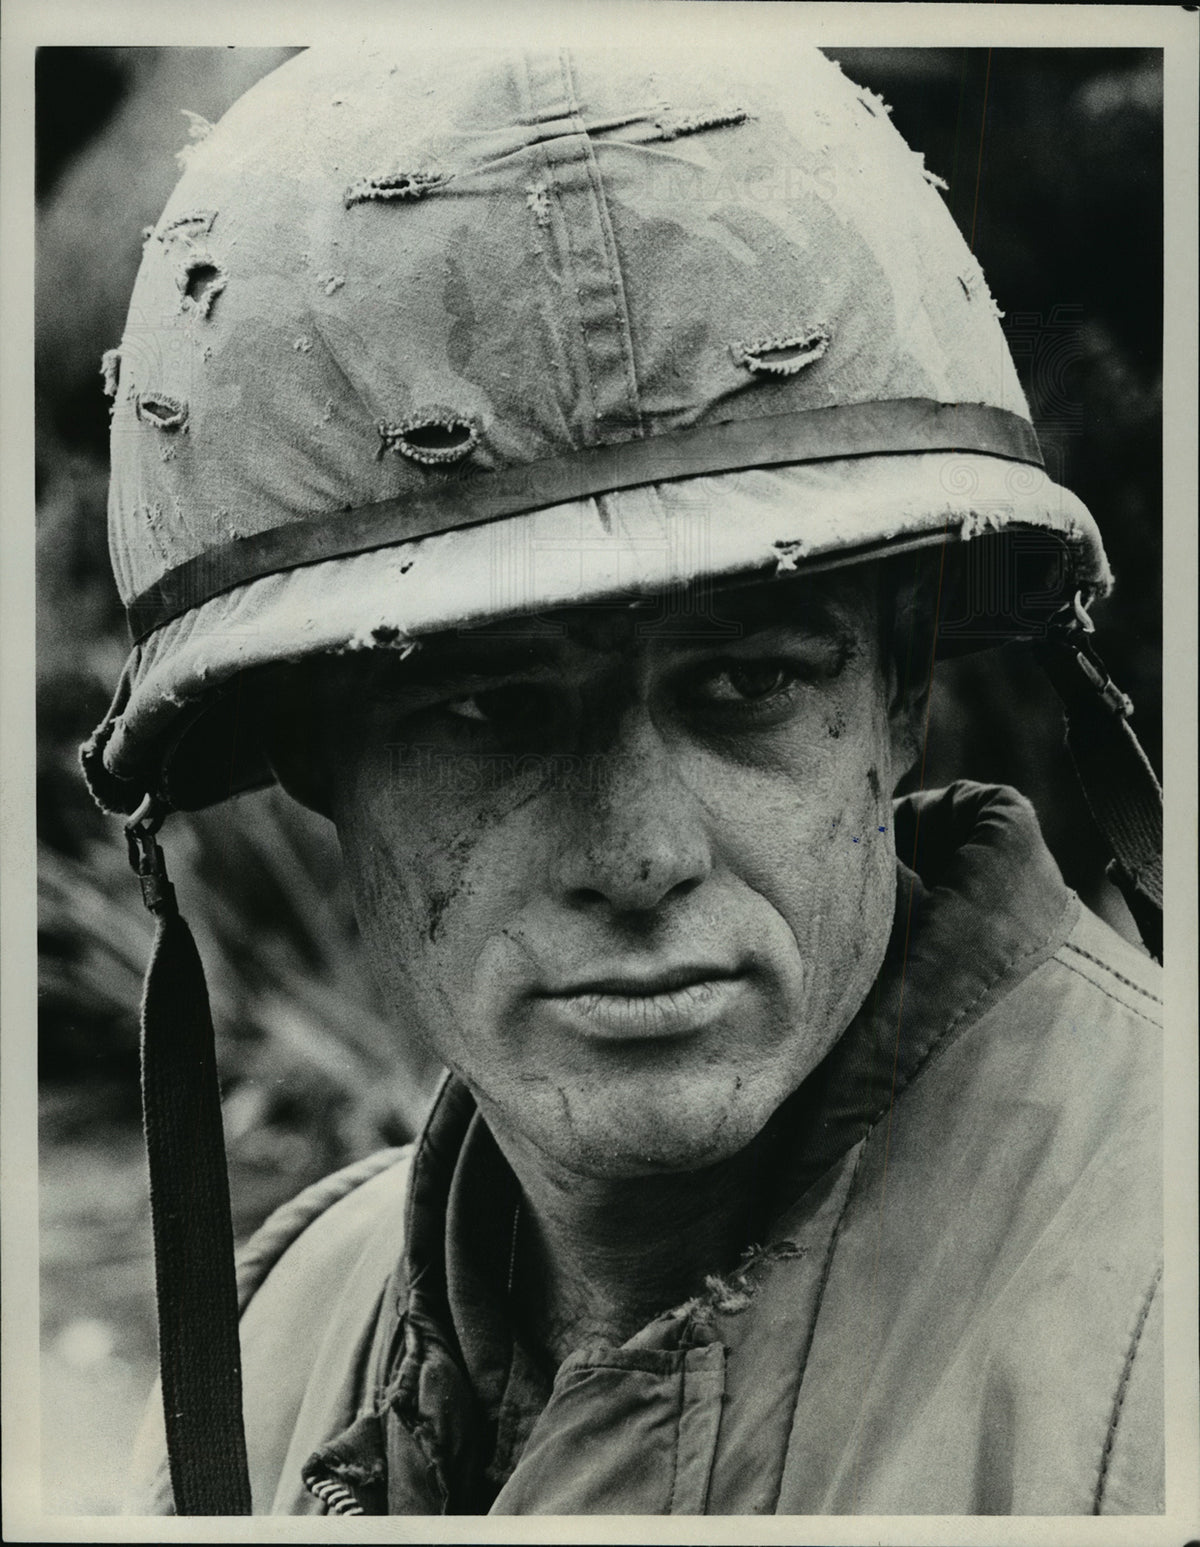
628	1006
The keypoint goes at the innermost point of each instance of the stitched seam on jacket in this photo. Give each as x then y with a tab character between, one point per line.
722	1398
1122	1389
826	1269
670	1509
1137	987
1100	989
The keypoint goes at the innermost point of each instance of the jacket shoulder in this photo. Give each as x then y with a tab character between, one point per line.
310	1281
290	1221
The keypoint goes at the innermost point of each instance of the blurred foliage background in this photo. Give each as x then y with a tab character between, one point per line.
1053	165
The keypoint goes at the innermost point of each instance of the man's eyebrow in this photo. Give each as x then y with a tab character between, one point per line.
474	659
736	619
816	618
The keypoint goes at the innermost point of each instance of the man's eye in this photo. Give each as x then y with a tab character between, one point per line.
518	705
466	708
747	682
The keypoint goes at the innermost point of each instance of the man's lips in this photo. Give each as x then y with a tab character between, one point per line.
627	1006
633	984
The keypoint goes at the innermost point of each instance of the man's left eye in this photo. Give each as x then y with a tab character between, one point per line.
466	708
515	705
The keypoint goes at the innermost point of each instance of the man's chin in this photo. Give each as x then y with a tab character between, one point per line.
683	1125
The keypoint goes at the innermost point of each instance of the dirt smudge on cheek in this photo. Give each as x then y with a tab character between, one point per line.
438	903
508	801
449	879
439	898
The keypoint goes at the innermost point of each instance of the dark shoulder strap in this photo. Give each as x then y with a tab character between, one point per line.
199	1354
199	1297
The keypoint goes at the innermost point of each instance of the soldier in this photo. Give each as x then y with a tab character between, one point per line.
552	468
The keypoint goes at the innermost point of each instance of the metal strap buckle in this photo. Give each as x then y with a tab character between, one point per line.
146	857
1070	628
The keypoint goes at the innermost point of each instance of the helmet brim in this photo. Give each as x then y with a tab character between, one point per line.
673	537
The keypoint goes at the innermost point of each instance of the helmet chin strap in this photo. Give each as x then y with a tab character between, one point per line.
195	1287
1118	783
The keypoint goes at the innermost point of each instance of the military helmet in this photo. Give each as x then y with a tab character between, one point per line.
423	341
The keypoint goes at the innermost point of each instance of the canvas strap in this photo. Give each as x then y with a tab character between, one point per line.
195	1289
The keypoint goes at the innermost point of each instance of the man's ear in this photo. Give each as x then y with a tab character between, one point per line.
300	777
294	735
908	706
908	670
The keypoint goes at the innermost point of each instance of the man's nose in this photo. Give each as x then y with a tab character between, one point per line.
636	835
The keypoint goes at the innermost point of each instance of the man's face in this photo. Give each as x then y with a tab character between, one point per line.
630	883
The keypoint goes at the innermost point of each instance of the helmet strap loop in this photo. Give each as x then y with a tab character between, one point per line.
195	1286
1118	783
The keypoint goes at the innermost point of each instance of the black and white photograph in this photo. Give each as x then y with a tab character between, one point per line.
601	601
